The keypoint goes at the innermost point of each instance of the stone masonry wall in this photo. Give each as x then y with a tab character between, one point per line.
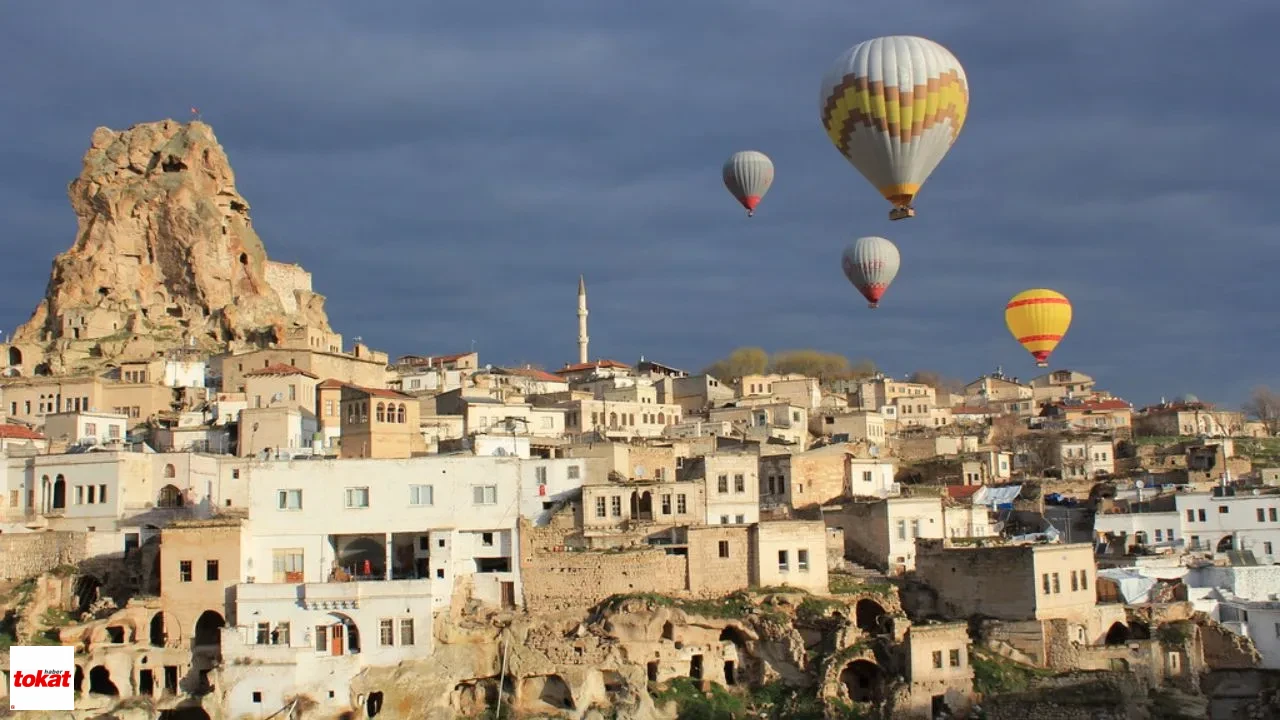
712	572
558	578
285	279
23	555
964	577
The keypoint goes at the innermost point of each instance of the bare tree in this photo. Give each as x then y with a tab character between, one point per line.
1264	406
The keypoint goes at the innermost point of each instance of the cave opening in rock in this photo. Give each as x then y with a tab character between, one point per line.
184	713
15	356
244	258
173	164
652	669
146	682
86	592
79	679
115	634
730	676
668	631
695	667
373	705
863	680
869	615
100	682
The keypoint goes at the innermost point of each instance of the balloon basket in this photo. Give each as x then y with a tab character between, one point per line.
1042	364
873	305
901	213
751	213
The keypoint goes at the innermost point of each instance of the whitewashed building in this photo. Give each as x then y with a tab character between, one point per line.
1213	523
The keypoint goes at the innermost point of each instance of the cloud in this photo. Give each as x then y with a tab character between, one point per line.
446	172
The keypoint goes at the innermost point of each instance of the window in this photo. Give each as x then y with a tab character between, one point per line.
666	504
1075	582
915	528
783	562
724	519
263	635
358	497
866	476
740	519
1201	511
600	509
902	529
91	429
1057	588
406	631
102	493
574	472
1266	548
328	408
739	483
289	499
681	506
235	474
1223	509
802	560
615	506
937	659
722	484
1159	535
281	634
484	494
184	570
955	658
540	475
1044	583
1262	515
79	496
1272	513
386	633
92	494
286	565
724	550
420	495
486	539
322	638
211	570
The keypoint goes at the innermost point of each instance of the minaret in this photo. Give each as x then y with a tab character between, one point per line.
582	321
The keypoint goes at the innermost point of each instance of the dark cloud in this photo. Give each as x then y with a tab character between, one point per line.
446	174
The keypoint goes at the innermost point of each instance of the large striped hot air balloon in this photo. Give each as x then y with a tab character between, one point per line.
1038	319
871	263
748	175
893	106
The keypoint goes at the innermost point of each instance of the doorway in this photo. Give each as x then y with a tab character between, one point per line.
508	594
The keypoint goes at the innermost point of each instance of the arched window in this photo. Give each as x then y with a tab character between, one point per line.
381	414
613	419
170	471
662	418
400	413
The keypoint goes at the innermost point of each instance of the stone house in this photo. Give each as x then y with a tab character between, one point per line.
281	385
823	474
379	423
853	426
732	485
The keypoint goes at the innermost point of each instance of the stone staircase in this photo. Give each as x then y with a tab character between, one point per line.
864	573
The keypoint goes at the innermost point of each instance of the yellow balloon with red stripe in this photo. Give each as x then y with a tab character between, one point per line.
1038	319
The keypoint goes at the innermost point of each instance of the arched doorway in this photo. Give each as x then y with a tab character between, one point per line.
342	637
359	553
46	494
209	630
1118	634
164	631
60	493
869	615
642	506
864	681
170	497
100	682
86	591
1227	543
15	356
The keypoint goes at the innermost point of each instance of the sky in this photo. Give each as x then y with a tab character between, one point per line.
446	171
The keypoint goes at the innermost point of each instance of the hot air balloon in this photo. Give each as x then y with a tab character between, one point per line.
1038	319
871	263
893	106
748	175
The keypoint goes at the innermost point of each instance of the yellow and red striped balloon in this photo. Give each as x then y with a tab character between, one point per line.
1038	319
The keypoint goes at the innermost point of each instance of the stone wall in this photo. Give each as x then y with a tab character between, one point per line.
719	559
964	577
285	279
24	555
556	577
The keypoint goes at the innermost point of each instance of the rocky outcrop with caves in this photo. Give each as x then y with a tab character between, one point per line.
165	255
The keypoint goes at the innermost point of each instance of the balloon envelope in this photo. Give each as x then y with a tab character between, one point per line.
1038	319
871	264
893	106
748	175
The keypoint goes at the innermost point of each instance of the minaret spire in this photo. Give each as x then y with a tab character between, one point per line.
582	321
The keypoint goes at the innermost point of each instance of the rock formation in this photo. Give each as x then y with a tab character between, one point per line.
165	255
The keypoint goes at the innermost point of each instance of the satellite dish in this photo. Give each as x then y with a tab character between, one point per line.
1139	484
639	471
501	452
1256	492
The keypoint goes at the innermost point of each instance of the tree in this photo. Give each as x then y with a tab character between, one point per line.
743	361
937	381
1264	406
814	363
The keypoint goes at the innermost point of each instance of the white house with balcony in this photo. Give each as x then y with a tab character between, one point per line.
313	638
1217	523
446	520
1159	531
546	482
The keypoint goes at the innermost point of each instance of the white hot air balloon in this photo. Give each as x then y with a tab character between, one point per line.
871	264
893	106
748	175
